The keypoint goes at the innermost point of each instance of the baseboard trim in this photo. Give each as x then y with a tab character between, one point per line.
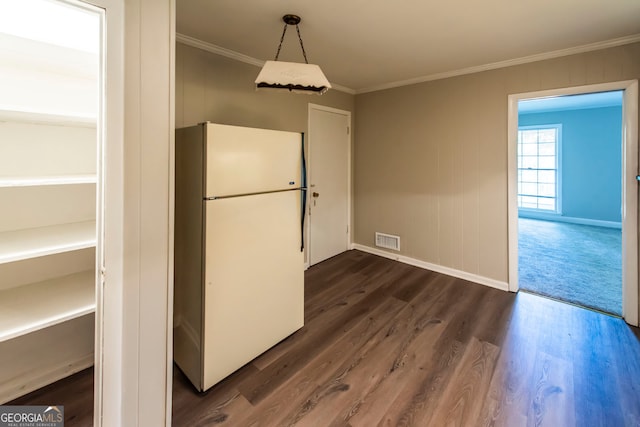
492	283
38	378
570	219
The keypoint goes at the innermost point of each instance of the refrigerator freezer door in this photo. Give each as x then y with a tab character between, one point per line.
246	160
254	279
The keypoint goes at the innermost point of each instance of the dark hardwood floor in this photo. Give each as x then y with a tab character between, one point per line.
75	393
387	344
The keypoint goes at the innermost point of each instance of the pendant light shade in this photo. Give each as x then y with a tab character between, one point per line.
292	76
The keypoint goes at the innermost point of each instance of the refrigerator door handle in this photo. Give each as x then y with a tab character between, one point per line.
303	192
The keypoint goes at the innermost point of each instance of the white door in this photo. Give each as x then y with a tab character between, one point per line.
328	195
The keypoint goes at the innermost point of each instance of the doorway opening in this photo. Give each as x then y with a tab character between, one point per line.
50	154
573	160
569	199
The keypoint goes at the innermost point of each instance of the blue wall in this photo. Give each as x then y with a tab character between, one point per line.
591	160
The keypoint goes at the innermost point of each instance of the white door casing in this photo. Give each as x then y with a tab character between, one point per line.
329	183
110	121
630	306
133	377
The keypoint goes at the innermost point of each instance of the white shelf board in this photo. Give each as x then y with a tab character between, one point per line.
34	242
35	181
36	306
16	114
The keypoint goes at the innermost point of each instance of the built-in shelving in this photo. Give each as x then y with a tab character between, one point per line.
49	144
33	181
28	308
34	242
21	115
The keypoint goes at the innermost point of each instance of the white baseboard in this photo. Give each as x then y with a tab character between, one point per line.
44	375
569	219
503	286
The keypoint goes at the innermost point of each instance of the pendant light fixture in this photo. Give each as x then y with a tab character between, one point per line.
292	76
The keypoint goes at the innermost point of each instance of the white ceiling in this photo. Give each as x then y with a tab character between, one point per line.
370	44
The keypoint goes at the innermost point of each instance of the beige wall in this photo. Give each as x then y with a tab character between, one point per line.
213	88
430	160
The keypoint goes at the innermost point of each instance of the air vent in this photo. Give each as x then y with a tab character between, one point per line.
387	241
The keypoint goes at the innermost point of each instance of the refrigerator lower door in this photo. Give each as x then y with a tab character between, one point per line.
254	279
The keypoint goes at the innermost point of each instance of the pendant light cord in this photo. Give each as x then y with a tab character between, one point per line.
301	45
284	31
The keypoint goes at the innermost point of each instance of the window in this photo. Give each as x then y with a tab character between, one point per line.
538	168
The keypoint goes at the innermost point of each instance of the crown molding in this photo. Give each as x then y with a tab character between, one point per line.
232	54
343	89
228	53
218	50
508	63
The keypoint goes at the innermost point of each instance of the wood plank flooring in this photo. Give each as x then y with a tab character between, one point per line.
387	344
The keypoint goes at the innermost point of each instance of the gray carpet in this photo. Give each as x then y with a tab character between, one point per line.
580	264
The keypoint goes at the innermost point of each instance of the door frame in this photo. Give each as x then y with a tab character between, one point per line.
629	185
133	343
317	107
109	204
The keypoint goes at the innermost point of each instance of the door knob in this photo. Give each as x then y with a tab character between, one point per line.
315	194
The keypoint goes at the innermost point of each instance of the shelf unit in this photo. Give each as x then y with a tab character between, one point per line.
34	181
36	242
50	192
48	181
10	113
57	300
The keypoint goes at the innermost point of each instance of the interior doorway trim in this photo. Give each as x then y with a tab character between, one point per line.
307	230
106	402
629	185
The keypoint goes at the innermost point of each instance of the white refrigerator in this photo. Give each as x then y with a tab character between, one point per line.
239	267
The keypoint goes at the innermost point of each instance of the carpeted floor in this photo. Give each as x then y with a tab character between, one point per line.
576	263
